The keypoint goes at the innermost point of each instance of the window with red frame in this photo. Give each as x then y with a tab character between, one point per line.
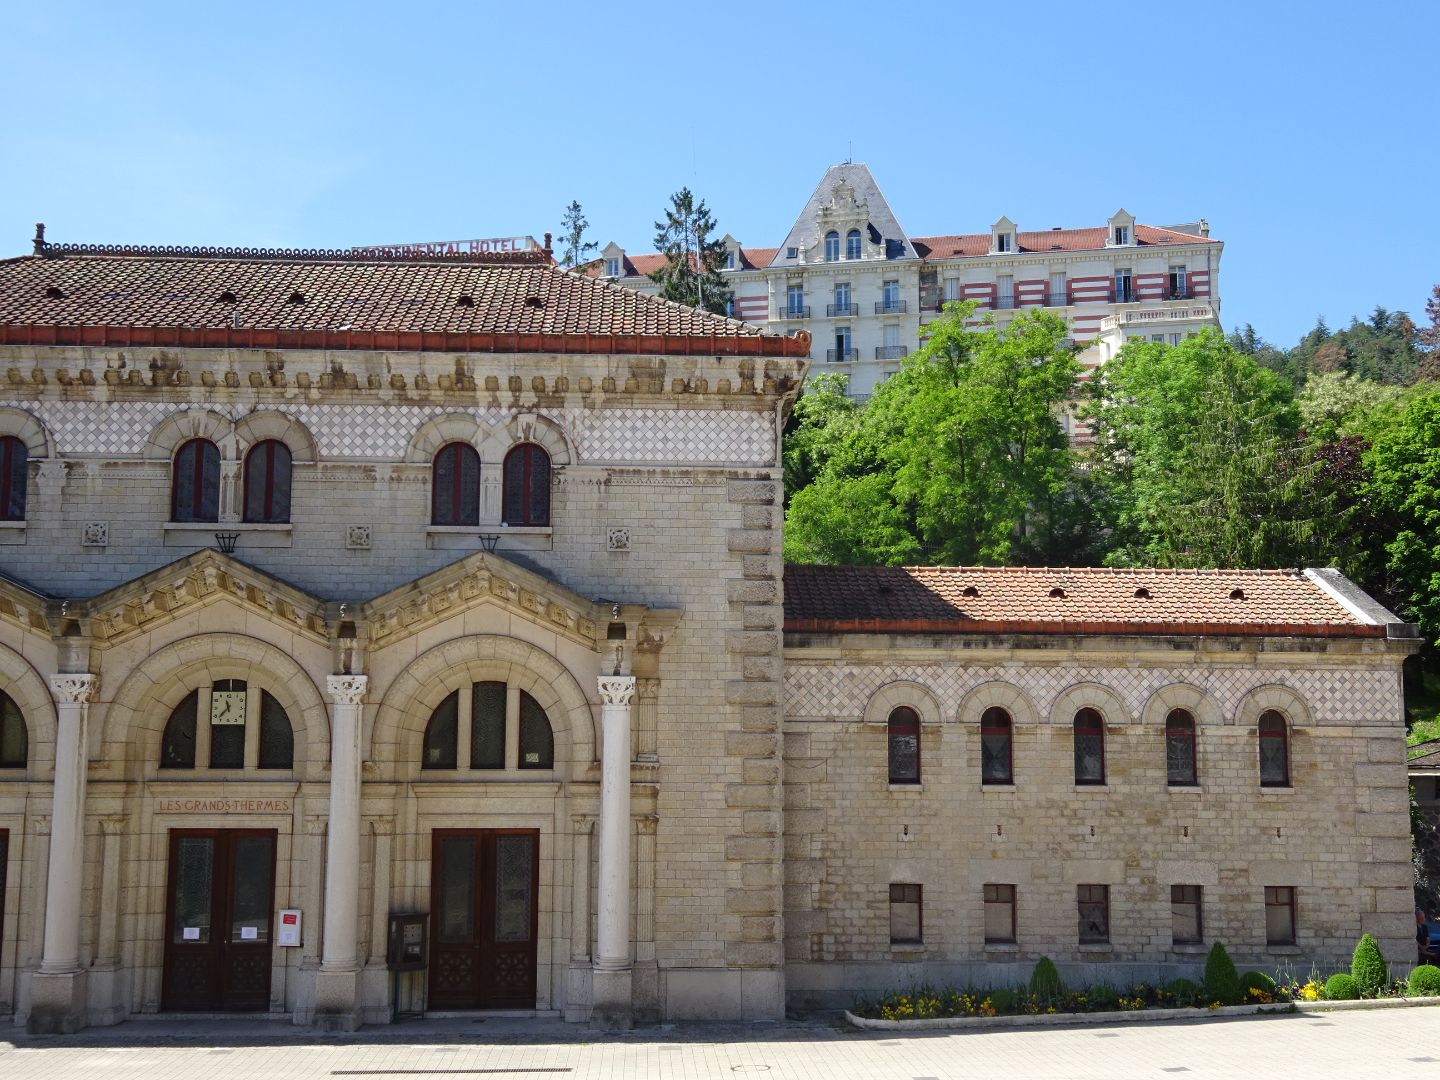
1274	750
455	486
904	746
1180	749
14	472
1089	747
195	485
996	764
527	486
267	483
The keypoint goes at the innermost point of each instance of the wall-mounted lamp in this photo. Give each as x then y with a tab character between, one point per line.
489	540
227	541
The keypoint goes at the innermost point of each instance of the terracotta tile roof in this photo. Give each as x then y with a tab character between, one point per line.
645	265
971	244
967	599
294	302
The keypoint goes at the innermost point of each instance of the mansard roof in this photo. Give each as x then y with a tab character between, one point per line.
971	244
337	300
884	226
979	599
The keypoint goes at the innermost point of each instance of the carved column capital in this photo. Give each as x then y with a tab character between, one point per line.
347	689
74	689
113	824
617	689
382	826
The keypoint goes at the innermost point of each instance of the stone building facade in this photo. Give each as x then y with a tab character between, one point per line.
338	588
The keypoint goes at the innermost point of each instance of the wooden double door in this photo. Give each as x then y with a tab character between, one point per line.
484	918
218	932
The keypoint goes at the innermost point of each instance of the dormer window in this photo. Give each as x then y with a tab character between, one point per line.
730	260
832	246
1122	235
1122	229
1002	242
1002	237
612	267
852	244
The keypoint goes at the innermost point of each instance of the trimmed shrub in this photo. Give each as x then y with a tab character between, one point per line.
1002	1001
1222	984
1367	967
1424	981
1256	980
1186	992
1341	987
1103	998
1045	981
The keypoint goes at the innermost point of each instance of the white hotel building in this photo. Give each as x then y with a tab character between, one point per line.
850	275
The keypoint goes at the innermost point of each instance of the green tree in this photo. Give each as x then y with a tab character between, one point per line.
691	273
958	458
1335	404
1197	446
821	420
575	249
1404	466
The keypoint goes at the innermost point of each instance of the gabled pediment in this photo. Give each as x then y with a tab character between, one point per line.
478	579
186	584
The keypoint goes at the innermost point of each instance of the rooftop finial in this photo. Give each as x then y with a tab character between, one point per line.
39	237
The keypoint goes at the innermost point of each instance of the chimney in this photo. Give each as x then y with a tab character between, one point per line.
1204	227
39	238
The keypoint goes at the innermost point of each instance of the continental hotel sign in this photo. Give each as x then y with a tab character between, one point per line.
492	246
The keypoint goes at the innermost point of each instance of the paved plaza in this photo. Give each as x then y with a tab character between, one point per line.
1391	1043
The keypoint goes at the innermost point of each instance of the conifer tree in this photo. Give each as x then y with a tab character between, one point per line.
576	249
691	274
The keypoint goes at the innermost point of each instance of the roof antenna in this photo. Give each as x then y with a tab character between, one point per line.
40	238
850	152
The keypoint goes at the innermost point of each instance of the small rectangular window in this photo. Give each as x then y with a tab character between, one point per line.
1177	284
1185	924
1279	915
1122	234
1158	339
729	260
951	289
1002	241
905	918
792	253
1094	909
999	914
612	267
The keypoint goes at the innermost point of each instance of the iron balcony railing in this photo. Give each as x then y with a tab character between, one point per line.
794	312
1185	292
1057	299
1004	302
890	352
834	310
889	307
836	356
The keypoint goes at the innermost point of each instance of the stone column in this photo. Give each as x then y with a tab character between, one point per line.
58	989
337	983
612	982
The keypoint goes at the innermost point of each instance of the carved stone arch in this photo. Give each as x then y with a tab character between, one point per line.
266	424
28	690
180	427
541	430
433	434
398	732
28	428
136	718
902	692
1089	695
1283	699
1204	708
997	693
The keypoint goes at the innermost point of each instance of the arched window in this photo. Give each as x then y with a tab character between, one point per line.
490	708
195	486
277	737
455	486
996	763
441	734
267	483
487	725
14	472
852	244
1089	747
537	740
904	746
1274	750
527	485
832	246
1180	749
14	739
177	746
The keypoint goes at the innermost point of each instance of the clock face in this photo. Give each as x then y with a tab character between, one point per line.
227	707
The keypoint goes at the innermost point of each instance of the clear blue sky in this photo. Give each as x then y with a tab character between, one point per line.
1303	132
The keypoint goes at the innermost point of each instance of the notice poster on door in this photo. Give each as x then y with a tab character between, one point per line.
190	933
249	933
288	934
